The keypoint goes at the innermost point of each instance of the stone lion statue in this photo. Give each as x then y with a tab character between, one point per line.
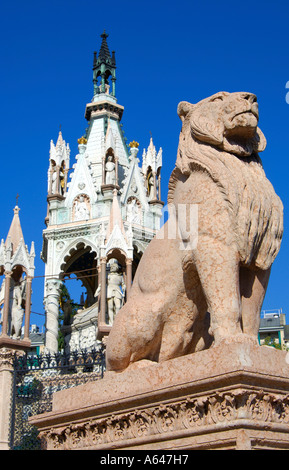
190	296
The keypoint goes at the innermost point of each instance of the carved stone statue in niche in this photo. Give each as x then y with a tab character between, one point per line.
16	306
57	180
17	310
150	186
115	291
81	211
133	213
110	173
54	181
190	294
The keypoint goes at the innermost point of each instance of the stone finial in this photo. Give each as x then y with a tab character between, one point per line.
15	233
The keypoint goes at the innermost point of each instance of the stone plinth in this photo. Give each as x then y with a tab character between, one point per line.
234	396
14	344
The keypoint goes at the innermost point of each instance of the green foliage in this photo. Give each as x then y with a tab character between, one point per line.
269	341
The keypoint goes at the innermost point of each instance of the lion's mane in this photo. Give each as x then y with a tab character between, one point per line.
256	211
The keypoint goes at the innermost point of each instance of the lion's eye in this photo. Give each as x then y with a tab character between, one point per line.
218	98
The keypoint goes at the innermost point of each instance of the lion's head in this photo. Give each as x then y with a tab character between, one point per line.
228	121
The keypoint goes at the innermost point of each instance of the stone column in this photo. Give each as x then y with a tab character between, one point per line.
6	384
52	312
8	275
155	185
116	170
51	171
103	171
128	276
65	180
102	83
113	79
159	192
57	187
27	308
103	290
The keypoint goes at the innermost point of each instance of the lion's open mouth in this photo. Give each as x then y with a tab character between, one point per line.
249	111
242	125
253	110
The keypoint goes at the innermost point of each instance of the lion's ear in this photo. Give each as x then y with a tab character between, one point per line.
260	140
184	108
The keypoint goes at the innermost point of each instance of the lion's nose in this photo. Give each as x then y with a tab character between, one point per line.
249	97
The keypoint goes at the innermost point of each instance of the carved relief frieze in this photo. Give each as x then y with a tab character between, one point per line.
72	232
141	423
166	419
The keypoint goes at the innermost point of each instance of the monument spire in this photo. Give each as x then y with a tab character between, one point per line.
104	53
17	265
107	194
15	233
104	66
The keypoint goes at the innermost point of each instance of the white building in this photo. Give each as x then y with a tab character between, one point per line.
108	207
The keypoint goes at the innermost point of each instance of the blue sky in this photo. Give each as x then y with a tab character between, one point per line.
166	52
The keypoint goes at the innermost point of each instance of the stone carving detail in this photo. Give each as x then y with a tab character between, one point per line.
208	279
193	412
110	174
6	359
81	207
115	291
17	300
140	422
222	408
133	211
185	415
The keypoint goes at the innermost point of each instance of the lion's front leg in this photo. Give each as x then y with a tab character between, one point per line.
216	256
253	285
218	269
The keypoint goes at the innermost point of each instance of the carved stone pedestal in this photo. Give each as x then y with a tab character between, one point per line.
234	396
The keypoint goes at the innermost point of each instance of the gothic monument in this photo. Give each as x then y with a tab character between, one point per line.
100	217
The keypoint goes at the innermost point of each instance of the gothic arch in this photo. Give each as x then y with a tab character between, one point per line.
118	254
74	247
80	264
109	153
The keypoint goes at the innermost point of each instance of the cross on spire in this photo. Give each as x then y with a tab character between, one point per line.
104	53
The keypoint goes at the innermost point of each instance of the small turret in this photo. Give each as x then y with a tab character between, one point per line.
104	66
58	166
151	168
17	265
